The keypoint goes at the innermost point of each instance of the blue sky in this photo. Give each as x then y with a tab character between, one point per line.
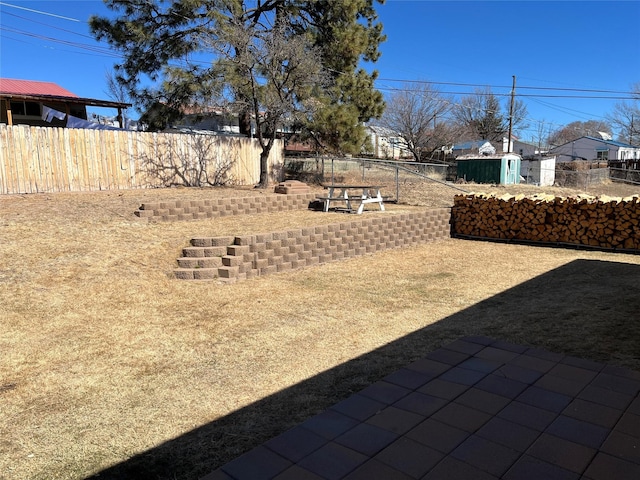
572	45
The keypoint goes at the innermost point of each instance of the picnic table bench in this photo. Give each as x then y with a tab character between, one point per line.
353	195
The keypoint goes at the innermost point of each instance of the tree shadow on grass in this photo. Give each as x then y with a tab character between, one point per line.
586	308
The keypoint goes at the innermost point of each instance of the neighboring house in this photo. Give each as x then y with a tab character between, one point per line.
29	102
209	119
387	144
596	150
469	147
524	149
216	120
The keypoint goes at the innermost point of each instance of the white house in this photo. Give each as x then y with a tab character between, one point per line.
524	149
386	143
595	149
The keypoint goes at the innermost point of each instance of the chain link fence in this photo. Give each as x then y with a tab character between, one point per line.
433	184
404	182
582	179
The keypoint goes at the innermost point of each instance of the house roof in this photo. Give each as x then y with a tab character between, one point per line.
42	91
33	87
611	142
469	145
383	131
599	140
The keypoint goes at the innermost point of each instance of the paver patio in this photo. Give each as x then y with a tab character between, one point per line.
478	408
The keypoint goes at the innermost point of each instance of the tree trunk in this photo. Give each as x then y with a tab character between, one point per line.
264	169
244	122
264	165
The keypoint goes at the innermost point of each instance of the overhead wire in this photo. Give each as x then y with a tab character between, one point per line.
508	94
40	12
520	87
110	53
583	93
48	25
83	46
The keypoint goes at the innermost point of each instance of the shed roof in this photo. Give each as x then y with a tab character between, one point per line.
497	156
33	87
37	91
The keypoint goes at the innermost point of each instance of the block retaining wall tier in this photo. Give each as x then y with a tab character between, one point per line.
229	259
181	210
596	222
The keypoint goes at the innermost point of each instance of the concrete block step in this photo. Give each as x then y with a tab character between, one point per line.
200	262
198	252
196	273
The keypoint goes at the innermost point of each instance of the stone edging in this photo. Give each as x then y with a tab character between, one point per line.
229	259
181	210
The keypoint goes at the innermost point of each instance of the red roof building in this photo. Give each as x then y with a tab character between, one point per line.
33	87
27	101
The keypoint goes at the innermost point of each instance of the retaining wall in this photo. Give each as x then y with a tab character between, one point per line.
219	207
598	222
230	259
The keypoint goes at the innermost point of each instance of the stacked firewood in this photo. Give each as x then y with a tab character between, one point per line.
603	222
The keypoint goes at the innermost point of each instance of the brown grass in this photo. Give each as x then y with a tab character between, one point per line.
105	356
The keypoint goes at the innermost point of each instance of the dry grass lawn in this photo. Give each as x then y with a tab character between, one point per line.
108	364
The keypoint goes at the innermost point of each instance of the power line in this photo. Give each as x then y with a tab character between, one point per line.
570	111
77	50
111	53
39	11
525	95
48	25
97	49
559	89
585	93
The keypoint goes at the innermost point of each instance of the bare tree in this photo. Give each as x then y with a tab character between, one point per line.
481	116
413	115
541	136
626	118
578	129
118	92
204	162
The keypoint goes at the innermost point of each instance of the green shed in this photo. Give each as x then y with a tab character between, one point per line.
503	169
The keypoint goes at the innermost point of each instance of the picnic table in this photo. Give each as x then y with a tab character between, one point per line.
352	195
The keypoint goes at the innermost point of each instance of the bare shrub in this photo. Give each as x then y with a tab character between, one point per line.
191	160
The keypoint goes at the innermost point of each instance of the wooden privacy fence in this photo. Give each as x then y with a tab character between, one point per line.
46	159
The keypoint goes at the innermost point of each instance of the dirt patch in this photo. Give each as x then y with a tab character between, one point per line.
106	357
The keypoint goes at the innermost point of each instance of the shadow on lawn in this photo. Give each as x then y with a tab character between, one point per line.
585	308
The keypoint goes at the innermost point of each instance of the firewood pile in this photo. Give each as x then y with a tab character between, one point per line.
603	222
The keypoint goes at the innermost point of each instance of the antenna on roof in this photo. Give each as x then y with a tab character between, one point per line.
605	135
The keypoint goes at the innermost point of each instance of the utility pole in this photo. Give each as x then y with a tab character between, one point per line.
513	93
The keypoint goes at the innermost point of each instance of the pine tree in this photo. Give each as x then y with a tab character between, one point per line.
194	52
